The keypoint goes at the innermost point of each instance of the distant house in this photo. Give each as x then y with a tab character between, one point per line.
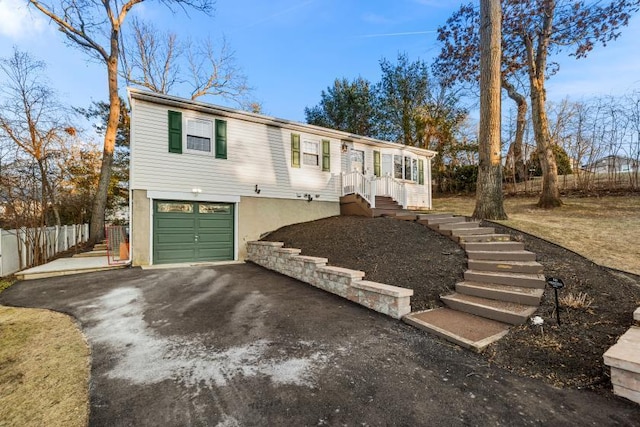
612	164
206	179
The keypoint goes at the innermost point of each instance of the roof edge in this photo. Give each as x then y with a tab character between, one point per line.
170	100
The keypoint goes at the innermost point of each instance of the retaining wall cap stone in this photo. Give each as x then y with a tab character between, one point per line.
341	271
288	250
264	243
382	288
313	259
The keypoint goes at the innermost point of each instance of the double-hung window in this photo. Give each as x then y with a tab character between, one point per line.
199	136
310	153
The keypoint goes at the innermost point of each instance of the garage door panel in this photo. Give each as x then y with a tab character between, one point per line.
211	237
175	232
168	224
174	238
174	255
224	253
225	223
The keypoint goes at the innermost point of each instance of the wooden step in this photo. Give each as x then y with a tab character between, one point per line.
507	312
529	267
494	246
461	224
517	294
478	231
501	255
513	279
465	329
484	238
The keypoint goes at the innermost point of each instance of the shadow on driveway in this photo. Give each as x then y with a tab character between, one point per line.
239	345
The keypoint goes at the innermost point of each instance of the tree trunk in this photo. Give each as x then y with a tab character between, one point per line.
489	202
521	123
537	66
97	232
550	196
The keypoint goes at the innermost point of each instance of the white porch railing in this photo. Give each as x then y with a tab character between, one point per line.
388	186
368	188
356	183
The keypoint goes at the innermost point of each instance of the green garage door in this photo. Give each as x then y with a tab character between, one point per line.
192	231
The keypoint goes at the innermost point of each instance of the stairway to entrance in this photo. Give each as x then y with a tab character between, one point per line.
502	286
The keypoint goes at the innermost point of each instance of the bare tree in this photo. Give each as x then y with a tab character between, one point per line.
33	120
95	28
489	201
162	63
149	58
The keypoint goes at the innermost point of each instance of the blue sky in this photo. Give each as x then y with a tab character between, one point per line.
291	50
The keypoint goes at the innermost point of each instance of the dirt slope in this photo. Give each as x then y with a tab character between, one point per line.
409	255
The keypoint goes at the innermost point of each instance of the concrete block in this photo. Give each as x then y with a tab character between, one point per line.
626	379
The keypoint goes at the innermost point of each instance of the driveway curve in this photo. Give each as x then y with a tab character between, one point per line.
238	345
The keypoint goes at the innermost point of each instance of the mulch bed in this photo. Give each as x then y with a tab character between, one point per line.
410	255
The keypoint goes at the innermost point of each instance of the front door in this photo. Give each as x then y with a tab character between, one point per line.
356	158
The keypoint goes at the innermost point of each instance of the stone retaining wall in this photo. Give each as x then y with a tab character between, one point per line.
390	300
624	360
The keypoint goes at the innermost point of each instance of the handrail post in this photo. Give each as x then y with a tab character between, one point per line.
373	193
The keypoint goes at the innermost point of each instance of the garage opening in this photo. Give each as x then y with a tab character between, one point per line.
192	231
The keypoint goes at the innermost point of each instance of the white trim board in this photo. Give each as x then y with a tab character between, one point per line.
194	197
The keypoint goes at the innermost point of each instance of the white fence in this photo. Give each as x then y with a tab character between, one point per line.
16	246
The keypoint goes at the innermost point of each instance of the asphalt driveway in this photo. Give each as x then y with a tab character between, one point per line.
238	345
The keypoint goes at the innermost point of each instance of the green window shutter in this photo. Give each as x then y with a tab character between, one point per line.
221	139
326	155
420	171
295	150
175	132
376	163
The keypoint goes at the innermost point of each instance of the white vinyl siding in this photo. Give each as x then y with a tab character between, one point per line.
257	154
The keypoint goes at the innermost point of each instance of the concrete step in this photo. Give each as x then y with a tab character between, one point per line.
406	216
462	223
465	329
517	294
494	246
507	312
435	216
385	212
529	267
477	231
433	223
100	247
512	279
501	255
484	237
91	254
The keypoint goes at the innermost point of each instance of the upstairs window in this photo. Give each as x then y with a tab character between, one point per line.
199	135
310	154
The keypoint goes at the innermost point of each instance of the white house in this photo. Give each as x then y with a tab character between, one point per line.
206	179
